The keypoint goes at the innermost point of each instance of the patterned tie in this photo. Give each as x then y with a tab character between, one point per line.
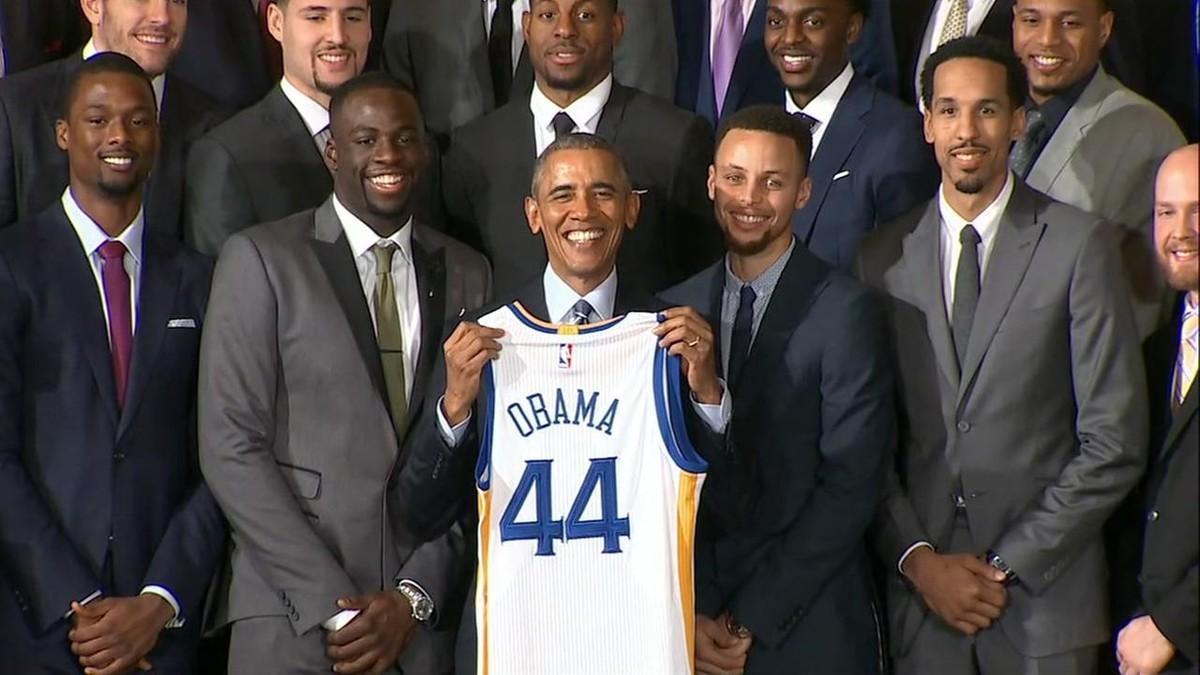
120	316
956	22
1185	376
563	125
390	336
966	291
581	313
321	138
1025	147
725	51
739	340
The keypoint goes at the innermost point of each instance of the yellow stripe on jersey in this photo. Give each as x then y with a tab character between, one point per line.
485	513
689	492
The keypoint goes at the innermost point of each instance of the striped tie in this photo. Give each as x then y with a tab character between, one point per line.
956	22
581	313
1185	375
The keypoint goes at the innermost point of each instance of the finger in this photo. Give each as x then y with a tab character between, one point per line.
89	632
977	619
359	664
680	311
117	666
359	602
347	635
706	668
982	569
964	627
101	660
994	595
144	665
93	646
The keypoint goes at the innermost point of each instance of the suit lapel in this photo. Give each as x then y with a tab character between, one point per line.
1184	415
1067	138
156	294
1016	240
922	270
474	34
161	211
430	267
841	137
288	126
612	114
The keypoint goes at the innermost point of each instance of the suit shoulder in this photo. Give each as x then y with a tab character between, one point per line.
693	291
458	254
896	229
264	238
660	118
39	83
197	104
236	134
484	131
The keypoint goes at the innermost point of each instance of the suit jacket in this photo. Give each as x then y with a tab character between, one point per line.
1170	591
222	53
36	32
298	447
113	499
667	152
814	407
33	170
872	166
754	79
1042	432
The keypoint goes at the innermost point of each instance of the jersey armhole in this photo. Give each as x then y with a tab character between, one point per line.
483	463
669	408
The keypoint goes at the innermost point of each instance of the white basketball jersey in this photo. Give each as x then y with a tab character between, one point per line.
588	488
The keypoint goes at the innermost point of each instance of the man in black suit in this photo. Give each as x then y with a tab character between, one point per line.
223	55
32	33
108	537
1164	635
265	162
33	172
803	351
490	162
870	162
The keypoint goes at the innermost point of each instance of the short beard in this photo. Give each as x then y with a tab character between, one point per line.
747	248
123	189
970	185
326	88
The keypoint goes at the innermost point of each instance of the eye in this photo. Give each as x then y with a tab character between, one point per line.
814	22
365	140
947	111
1163	213
774	22
94	121
774	183
585	15
734	178
547	15
603	193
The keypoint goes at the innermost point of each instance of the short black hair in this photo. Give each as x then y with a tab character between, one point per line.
103	62
772	119
364	82
578	141
862	7
977	47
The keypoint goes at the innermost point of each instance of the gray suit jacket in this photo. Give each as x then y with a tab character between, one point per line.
1103	158
295	436
440	50
1042	433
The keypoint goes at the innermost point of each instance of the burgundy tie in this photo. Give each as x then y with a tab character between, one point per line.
120	319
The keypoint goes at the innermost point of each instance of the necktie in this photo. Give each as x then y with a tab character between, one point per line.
581	313
321	138
500	51
272	52
739	341
1026	146
563	125
1186	364
956	22
390	336
120	317
966	291
725	51
808	120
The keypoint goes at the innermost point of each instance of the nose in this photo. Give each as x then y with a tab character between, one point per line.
337	29
967	126
751	192
1049	33
157	12
564	26
793	32
118	130
385	151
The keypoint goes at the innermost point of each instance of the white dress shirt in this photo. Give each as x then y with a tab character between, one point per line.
315	115
519	7
716	9
89	50
823	105
91	237
585	111
977	11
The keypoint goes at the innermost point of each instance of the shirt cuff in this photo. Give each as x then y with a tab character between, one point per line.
176	618
452	435
338	621
909	550
94	594
716	416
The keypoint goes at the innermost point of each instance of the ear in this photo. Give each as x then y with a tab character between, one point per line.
533	214
618	27
804	193
62	134
633	207
92	11
927	126
712	182
1106	27
526	19
330	156
1017	129
854	28
275	22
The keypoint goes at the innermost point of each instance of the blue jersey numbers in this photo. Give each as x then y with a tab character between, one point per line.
601	479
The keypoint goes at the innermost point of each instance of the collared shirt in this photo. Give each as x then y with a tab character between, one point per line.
716	10
519	7
764	287
1053	111
315	115
823	105
362	240
91	237
977	11
952	224
1190	310
585	111
159	83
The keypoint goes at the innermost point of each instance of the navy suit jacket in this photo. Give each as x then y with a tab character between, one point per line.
754	79
872	166
93	497
37	31
814	413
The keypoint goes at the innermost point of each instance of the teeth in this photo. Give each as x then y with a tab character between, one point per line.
1047	60
118	161
796	60
580	236
387	180
749	220
152	39
333	58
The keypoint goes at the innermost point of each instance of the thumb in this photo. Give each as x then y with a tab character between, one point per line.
983	569
86	611
354	602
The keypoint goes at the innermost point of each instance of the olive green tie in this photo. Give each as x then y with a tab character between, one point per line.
390	337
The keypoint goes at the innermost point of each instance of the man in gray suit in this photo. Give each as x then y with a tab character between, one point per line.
1020	380
465	58
1089	141
323	329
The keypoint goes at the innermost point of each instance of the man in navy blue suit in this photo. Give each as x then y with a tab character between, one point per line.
108	537
722	64
802	349
870	162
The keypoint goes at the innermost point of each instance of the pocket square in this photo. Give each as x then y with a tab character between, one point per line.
181	323
640	191
840	175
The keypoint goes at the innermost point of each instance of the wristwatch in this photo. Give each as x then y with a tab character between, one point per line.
422	604
997	562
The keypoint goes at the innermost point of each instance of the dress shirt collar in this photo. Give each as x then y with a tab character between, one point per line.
315	115
763	284
560	297
91	236
362	238
986	223
159	83
585	111
823	105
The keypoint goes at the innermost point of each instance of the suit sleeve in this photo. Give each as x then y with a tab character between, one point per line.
397	54
857	433
216	197
1111	424
37	557
458	185
237	423
695	240
1176	615
8	168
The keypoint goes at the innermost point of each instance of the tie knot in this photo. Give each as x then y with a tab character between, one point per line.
581	312
969	236
747	296
808	120
563	125
383	257
112	250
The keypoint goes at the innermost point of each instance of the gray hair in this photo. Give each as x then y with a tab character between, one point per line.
578	141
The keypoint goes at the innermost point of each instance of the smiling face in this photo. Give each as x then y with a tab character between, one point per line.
808	41
324	42
147	31
757	182
376	155
582	206
1177	219
571	43
1059	42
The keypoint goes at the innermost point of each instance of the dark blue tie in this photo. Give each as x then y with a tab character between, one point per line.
581	313
739	342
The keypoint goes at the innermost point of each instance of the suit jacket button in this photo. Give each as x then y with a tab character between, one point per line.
1152	516
964	427
118	455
